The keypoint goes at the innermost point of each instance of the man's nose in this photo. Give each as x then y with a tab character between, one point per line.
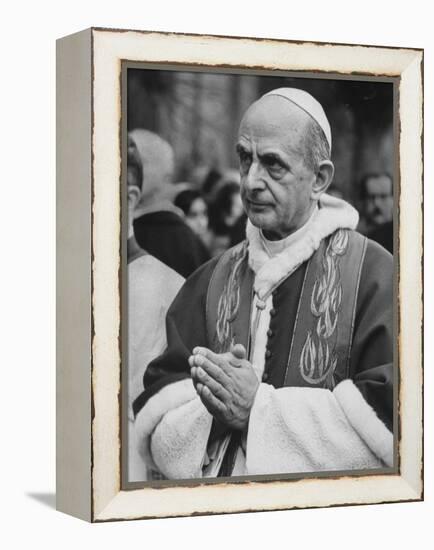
255	178
378	201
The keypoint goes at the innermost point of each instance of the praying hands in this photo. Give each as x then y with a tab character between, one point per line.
226	383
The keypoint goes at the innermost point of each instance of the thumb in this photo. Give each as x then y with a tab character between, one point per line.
239	351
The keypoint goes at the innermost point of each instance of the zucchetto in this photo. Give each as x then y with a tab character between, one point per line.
309	104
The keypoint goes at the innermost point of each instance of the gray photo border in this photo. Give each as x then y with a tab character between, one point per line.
123	339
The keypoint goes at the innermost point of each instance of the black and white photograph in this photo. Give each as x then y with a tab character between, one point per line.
259	275
216	285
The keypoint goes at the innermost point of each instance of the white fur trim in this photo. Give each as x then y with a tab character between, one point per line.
365	421
332	214
168	398
294	430
179	442
172	431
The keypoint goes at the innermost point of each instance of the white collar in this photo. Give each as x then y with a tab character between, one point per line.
332	214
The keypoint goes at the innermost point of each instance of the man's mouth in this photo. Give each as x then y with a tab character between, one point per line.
257	204
378	216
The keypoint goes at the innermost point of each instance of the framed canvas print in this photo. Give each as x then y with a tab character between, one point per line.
239	274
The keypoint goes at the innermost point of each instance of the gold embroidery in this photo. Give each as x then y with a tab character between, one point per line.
229	301
318	358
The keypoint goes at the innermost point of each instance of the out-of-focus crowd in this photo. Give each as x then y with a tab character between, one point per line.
182	224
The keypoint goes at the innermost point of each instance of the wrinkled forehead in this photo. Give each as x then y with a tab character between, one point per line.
274	119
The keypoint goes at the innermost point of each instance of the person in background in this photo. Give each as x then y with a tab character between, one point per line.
195	210
210	184
152	286
159	226
377	197
227	218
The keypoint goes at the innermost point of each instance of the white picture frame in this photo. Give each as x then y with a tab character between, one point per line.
89	108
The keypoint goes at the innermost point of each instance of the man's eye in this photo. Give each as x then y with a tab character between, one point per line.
273	164
245	160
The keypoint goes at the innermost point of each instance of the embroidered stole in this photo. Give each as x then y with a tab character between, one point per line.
320	349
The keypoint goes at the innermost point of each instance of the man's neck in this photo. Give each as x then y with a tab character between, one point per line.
273	247
280	236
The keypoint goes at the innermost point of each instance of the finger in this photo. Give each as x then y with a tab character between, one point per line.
217	358
195	381
239	351
199	350
193	370
211	369
217	389
211	402
197	360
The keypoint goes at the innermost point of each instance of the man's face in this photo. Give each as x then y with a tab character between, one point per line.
276	185
197	217
379	200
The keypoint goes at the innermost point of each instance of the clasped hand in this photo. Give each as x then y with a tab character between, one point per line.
226	383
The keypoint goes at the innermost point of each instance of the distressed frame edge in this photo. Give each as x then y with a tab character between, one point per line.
73	275
251	38
109	514
414	491
412	196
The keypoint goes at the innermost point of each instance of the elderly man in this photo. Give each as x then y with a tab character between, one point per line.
159	226
279	355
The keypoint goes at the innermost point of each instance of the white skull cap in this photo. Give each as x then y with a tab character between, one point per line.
309	104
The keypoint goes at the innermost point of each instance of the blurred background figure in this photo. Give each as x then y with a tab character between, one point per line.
152	287
210	184
227	218
195	210
159	226
377	205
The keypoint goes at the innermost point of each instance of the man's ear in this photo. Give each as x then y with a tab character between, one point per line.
323	179
133	196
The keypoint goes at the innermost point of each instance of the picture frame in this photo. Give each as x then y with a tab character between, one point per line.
89	264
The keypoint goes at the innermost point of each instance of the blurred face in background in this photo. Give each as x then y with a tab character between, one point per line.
378	199
197	216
